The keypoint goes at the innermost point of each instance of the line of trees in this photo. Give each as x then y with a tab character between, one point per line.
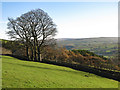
80	57
34	29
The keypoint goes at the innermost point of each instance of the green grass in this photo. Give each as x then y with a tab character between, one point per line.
23	74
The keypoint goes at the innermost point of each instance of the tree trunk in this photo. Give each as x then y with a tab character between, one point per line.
39	54
27	52
35	57
31	53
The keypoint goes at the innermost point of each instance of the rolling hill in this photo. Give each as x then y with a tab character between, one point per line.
106	46
23	74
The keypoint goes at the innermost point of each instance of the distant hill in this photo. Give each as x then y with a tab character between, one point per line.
107	46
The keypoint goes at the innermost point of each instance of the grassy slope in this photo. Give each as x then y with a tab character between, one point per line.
23	74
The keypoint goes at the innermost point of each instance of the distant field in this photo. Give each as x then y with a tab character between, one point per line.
106	46
23	74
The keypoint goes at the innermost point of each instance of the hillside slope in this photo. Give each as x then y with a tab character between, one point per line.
23	74
106	46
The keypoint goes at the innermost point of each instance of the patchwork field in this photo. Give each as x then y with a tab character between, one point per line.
106	46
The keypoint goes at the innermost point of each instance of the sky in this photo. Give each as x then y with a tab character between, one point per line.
73	19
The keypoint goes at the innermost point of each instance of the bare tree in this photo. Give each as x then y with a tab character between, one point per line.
19	31
34	28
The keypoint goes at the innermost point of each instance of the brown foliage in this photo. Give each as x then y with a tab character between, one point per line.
62	55
5	51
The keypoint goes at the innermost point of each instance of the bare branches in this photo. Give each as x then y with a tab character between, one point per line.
34	28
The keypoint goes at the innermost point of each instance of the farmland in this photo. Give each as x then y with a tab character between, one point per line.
106	46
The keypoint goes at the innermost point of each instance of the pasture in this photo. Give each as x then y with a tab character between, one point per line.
23	74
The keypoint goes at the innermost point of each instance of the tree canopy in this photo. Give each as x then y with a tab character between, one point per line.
35	29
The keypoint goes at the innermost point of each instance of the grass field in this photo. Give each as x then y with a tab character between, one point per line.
23	74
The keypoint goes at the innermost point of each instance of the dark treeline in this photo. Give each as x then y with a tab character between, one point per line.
97	71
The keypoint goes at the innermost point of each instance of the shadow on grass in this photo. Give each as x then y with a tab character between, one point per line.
96	71
43	68
23	58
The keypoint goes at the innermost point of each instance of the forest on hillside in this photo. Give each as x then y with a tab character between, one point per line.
106	46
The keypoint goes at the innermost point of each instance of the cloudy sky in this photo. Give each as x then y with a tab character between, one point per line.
73	19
